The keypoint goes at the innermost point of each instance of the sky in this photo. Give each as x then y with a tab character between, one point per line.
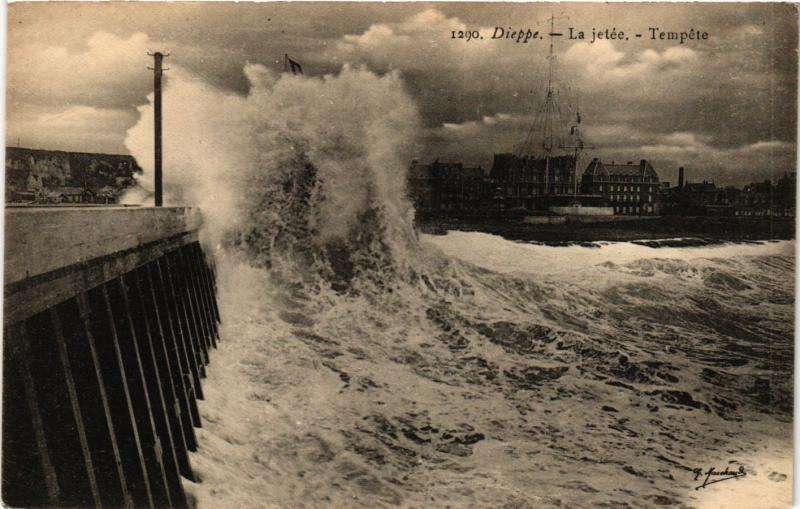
724	108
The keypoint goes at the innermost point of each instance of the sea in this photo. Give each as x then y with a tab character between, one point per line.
362	364
507	375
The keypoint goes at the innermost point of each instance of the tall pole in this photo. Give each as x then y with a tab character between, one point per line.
550	107
547	142
157	70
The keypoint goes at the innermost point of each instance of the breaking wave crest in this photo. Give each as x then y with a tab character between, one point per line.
298	172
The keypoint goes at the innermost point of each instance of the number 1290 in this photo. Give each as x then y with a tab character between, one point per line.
467	35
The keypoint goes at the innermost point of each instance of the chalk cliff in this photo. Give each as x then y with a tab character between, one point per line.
39	174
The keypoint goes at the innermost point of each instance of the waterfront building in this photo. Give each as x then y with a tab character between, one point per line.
526	181
631	189
70	194
448	187
704	198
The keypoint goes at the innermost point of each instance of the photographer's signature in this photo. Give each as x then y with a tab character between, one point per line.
712	475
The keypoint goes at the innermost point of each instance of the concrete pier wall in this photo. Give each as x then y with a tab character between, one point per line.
42	239
109	318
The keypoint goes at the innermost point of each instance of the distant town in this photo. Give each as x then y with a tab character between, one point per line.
552	190
534	190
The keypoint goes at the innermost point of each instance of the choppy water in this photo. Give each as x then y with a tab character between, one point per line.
362	366
508	375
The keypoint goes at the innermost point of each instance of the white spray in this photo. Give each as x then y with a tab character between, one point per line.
245	160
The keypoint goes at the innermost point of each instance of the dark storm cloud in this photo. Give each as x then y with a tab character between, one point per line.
733	96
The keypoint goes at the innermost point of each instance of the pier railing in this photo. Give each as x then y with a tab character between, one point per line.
109	318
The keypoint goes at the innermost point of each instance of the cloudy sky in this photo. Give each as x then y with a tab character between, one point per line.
725	108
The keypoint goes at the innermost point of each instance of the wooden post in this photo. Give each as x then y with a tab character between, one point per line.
62	423
181	357
202	288
208	289
181	328
84	311
193	286
182	286
91	396
29	478
143	408
155	374
126	423
181	423
157	71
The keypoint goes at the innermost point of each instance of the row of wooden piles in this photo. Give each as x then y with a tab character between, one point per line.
100	391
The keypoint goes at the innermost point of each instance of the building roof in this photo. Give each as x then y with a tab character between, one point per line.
420	171
699	187
642	169
443	170
630	169
504	164
759	187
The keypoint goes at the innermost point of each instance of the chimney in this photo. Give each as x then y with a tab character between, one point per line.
642	164
680	177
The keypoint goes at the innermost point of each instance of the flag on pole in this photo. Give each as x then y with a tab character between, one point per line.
293	66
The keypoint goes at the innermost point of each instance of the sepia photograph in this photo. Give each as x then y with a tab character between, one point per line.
346	255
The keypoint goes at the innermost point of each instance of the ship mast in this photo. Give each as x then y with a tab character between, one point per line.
550	106
548	122
549	110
